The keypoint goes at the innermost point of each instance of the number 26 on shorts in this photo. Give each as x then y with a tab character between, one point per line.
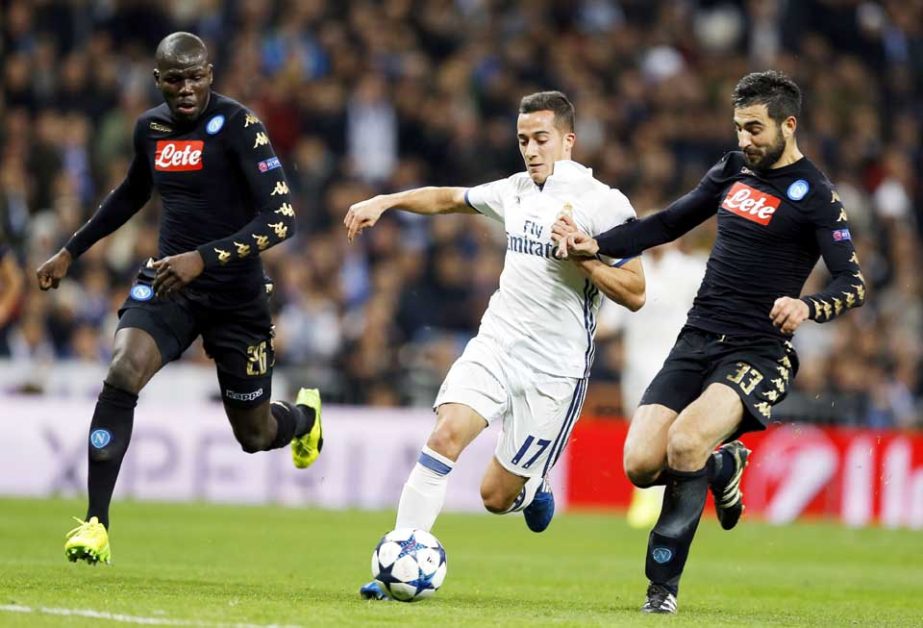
541	445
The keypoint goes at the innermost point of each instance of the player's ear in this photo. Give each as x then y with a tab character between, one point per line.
789	126
211	73
156	74
569	139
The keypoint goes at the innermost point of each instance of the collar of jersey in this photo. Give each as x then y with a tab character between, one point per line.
567	169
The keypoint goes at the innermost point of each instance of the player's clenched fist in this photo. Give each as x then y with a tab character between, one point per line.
788	313
363	215
53	271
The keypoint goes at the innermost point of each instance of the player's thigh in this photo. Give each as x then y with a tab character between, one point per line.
645	452
151	332
135	359
683	374
253	426
473	395
240	341
536	429
760	371
707	421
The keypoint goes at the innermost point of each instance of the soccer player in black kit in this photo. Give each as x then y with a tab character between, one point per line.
225	199
732	361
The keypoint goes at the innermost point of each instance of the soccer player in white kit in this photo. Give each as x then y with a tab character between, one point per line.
528	366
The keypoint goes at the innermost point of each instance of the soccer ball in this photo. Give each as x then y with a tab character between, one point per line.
409	564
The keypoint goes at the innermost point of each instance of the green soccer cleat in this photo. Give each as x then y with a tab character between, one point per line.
306	449
89	541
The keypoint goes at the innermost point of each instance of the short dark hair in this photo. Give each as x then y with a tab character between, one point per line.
553	101
772	88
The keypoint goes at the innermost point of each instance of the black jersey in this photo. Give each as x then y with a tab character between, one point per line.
223	189
772	227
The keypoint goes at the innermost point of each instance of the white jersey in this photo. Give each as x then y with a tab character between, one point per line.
544	313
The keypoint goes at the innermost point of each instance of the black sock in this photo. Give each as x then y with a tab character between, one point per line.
110	433
720	468
660	480
669	541
293	421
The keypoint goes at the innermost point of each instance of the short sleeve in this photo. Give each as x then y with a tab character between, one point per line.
488	198
614	209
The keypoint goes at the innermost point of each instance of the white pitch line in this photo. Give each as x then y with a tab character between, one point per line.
129	619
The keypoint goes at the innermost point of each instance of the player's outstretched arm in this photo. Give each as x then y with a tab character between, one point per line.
114	211
623	284
427	200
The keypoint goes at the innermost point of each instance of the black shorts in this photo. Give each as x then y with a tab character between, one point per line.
238	338
759	368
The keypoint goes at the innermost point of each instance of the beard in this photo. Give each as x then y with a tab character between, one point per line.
763	159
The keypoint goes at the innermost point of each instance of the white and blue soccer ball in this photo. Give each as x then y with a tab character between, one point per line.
409	564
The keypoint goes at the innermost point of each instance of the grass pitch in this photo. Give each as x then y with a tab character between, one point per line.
206	565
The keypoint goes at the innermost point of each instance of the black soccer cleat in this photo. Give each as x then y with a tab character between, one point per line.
659	600
729	501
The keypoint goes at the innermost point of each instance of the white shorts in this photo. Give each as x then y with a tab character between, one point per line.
538	411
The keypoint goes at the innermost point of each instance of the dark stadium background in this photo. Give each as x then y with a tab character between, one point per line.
368	97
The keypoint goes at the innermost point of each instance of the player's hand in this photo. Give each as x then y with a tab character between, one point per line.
363	215
176	271
54	270
788	313
572	241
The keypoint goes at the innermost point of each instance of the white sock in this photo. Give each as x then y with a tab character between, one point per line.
526	495
424	491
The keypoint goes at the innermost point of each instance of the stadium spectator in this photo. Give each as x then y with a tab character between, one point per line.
452	71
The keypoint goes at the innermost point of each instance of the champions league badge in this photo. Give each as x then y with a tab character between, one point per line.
141	292
214	125
798	190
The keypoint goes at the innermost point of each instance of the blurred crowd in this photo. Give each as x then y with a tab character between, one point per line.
364	97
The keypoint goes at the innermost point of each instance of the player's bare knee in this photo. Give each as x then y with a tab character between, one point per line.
642	477
446	440
126	372
684	449
641	467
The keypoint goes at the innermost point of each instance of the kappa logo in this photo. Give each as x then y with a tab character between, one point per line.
178	155
243	396
159	128
750	203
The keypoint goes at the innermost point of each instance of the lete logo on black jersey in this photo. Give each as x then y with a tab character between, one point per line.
751	203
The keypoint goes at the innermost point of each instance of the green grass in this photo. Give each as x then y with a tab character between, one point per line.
272	565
